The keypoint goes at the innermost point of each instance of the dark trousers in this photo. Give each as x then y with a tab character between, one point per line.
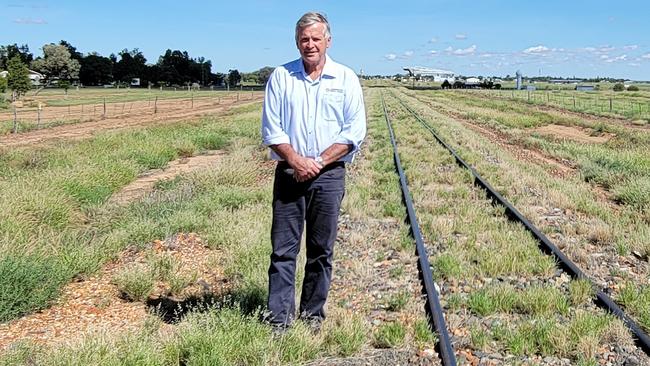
316	202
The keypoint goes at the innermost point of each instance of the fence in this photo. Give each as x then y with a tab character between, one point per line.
30	118
623	106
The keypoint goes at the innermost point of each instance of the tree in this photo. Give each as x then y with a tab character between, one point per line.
217	79
3	84
96	70
18	78
56	63
233	77
264	74
619	87
132	64
9	51
73	51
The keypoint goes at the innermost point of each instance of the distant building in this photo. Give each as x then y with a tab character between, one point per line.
565	81
34	77
584	87
435	74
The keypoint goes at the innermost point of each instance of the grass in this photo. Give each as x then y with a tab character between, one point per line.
347	338
389	335
56	222
636	300
228	207
136	282
398	301
473	242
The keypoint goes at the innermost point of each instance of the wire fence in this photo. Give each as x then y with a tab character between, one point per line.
608	105
23	119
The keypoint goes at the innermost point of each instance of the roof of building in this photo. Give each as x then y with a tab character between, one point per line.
421	70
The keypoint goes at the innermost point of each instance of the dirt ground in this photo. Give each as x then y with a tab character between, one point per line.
140	114
573	133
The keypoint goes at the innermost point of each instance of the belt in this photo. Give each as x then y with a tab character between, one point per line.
284	165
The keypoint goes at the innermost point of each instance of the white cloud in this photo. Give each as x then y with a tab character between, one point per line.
37	21
408	53
537	50
615	59
606	49
630	47
602	57
432	52
461	36
634	64
433	40
465	51
390	56
646	56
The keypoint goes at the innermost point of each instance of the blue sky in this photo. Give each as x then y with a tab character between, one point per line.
480	37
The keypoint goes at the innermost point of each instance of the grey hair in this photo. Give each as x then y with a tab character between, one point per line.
311	18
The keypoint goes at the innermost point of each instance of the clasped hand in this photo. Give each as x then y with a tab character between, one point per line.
305	169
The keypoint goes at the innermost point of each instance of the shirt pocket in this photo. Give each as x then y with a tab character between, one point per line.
333	107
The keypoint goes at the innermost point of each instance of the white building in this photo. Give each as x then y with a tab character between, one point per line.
435	74
34	77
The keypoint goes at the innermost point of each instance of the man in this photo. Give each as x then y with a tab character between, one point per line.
314	122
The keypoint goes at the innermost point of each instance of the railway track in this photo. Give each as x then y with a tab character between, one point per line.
433	308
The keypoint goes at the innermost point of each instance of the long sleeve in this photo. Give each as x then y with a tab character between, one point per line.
272	132
353	129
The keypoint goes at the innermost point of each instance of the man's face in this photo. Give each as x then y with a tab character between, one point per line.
312	43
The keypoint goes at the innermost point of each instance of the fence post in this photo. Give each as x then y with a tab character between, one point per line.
238	97
104	115
38	116
574	102
15	129
192	100
155	106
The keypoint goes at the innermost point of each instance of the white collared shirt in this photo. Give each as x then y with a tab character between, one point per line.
311	115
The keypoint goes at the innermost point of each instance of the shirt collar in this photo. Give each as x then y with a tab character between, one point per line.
329	68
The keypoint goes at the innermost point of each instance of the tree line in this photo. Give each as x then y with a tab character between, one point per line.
63	63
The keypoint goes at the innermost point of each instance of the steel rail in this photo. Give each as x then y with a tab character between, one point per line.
602	299
432	306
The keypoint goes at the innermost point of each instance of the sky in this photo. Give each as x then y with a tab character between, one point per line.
568	38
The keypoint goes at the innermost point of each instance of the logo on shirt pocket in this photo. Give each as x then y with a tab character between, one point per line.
333	107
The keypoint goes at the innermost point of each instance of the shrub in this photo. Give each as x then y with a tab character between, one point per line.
3	85
28	283
135	283
619	87
389	335
632	88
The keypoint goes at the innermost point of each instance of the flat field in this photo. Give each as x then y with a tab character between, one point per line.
143	238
